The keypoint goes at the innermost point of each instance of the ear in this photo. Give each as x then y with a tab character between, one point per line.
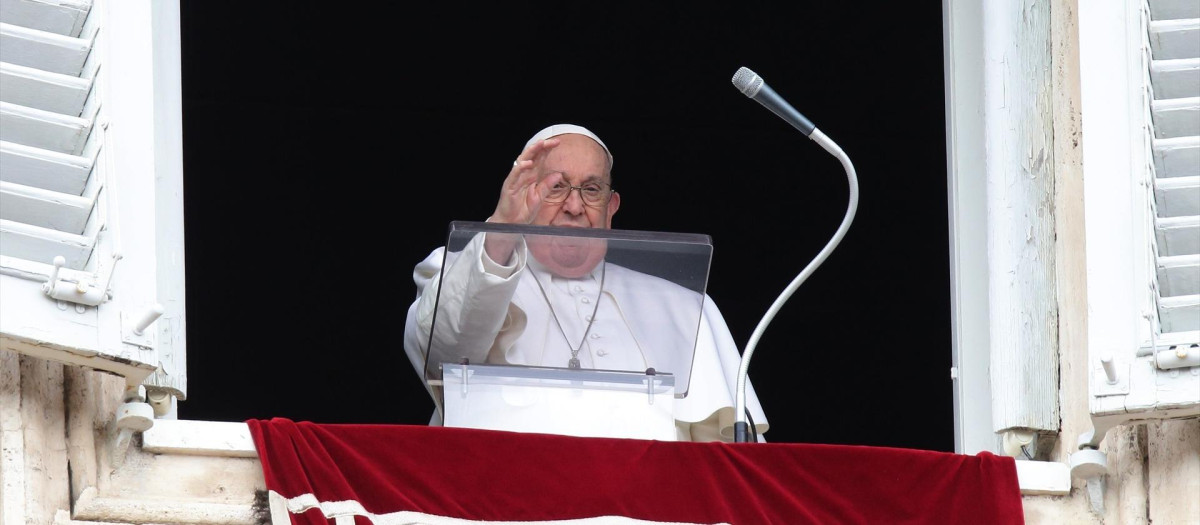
614	204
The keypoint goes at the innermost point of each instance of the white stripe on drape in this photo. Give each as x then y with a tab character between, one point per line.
343	513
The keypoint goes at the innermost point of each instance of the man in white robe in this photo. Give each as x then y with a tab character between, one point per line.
545	304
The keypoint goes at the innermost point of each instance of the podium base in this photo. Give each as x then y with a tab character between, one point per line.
584	403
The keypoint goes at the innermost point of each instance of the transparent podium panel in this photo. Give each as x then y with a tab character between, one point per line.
589	403
570	300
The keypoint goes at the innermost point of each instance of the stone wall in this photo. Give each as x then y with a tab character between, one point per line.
60	459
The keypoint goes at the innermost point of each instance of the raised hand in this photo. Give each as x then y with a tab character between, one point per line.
520	197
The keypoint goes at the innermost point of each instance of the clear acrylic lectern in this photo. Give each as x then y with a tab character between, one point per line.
577	331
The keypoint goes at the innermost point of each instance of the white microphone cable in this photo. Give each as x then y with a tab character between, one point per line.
752	85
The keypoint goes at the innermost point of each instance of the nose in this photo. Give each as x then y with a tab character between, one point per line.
574	202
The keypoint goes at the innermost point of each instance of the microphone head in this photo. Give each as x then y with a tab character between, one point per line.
748	82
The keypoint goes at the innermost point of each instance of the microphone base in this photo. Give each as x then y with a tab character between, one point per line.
741	432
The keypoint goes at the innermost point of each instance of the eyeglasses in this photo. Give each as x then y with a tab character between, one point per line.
594	194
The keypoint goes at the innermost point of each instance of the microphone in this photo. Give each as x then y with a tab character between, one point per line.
752	85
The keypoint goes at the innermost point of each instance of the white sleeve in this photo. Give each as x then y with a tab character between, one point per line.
475	294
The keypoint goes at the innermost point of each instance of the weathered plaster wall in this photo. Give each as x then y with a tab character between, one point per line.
1174	471
34	479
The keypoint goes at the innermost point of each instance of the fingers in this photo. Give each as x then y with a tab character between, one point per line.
533	201
519	177
533	198
537	149
534	152
520	195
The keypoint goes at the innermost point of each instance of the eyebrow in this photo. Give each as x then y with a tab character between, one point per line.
587	179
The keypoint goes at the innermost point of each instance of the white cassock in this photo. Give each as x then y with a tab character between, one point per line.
499	314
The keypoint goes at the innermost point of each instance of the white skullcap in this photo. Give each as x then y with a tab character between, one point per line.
562	129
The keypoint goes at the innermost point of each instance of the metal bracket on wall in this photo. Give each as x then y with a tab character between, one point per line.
87	292
135	330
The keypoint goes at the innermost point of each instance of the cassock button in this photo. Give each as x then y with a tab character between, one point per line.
601	352
578	288
585	300
595	336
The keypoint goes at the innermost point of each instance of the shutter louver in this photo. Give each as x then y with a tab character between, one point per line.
1174	104
48	193
63	17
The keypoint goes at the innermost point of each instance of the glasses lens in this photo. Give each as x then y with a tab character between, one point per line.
556	193
592	194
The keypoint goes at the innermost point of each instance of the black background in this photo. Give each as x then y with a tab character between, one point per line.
327	146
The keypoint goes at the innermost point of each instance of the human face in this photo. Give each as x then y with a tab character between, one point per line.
579	160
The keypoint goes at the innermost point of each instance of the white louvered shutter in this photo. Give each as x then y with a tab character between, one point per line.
1167	382
1173	32
1139	67
91	175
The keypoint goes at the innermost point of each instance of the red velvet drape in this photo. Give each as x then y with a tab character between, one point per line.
491	475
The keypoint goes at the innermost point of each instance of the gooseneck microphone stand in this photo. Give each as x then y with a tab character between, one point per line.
753	86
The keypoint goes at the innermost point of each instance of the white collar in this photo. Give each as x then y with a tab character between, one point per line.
545	276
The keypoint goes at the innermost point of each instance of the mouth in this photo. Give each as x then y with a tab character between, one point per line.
572	225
